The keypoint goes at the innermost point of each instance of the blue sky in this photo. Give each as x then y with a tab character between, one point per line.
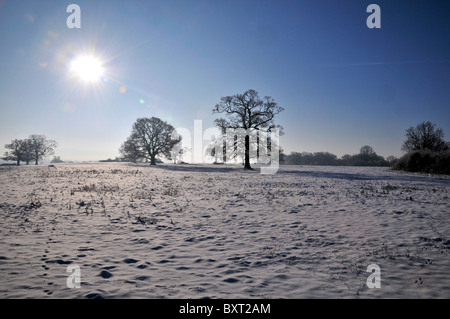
342	84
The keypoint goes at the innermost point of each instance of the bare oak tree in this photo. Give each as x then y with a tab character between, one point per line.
21	150
41	147
149	138
248	112
424	137
16	152
27	148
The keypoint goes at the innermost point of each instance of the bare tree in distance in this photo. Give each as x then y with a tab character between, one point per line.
424	137
219	141
56	159
178	150
17	151
27	150
367	150
149	138
21	150
41	147
248	112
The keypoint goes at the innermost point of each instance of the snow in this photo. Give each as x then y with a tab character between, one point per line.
192	231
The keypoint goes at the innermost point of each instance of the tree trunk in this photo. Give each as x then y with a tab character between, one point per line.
224	151
257	147
18	161
247	152
152	160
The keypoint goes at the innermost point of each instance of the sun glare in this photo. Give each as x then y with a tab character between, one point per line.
87	68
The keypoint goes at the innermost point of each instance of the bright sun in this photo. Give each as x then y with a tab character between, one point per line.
87	68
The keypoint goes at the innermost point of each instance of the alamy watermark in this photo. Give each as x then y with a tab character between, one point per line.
373	20
74	19
374	280
74	279
260	145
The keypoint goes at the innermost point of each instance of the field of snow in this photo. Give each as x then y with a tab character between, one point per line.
187	231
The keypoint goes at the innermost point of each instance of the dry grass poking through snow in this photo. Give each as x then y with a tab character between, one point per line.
193	232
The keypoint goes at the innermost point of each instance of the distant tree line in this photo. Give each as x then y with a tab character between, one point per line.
56	160
427	152
32	149
366	157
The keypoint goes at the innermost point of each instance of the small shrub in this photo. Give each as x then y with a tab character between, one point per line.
171	191
33	201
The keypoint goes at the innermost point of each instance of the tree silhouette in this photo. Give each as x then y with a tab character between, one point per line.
41	147
16	152
149	138
424	137
367	150
249	113
35	147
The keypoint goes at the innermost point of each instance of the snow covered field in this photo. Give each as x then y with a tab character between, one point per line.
187	231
